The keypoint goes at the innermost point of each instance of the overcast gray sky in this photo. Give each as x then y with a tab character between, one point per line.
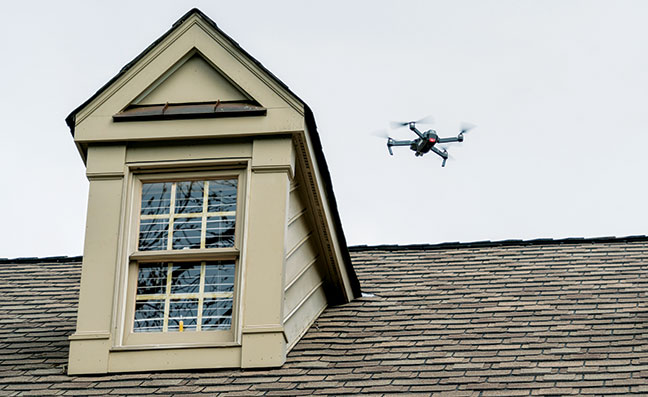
558	91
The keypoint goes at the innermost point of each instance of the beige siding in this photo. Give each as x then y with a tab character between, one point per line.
304	297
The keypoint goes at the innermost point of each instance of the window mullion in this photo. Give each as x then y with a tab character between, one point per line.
171	216
203	272
167	299
203	225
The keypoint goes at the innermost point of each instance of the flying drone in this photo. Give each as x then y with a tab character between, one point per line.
426	141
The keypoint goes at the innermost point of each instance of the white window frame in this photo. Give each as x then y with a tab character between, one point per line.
128	338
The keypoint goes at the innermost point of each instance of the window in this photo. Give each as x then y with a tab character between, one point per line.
187	215
184	297
184	267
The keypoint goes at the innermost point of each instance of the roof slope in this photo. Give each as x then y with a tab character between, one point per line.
543	318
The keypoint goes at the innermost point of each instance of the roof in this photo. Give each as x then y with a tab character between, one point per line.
547	317
311	127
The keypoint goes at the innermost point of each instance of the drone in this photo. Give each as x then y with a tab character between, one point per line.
426	141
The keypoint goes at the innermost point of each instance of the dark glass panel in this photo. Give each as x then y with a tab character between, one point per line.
153	234
185	310
189	197
185	278
219	276
156	198
149	316
222	195
220	231
152	279
186	233
217	314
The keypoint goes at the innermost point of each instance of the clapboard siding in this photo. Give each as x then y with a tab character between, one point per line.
301	319
304	297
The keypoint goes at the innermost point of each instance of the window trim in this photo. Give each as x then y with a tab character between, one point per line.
130	339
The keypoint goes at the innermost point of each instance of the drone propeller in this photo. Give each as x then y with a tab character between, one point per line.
383	134
424	120
465	127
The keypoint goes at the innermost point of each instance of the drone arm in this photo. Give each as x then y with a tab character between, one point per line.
412	126
448	140
391	142
443	153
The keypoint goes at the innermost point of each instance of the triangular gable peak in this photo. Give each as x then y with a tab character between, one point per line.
213	238
196	52
192	80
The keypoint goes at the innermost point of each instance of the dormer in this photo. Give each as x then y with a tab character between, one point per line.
212	238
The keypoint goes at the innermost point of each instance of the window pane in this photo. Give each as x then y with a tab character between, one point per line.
156	198
220	231
189	197
219	277
185	310
185	278
222	195
153	234
186	233
152	279
149	316
217	314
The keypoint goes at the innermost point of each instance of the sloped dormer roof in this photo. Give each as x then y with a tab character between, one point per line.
546	317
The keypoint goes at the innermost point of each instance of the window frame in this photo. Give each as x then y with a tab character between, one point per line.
179	256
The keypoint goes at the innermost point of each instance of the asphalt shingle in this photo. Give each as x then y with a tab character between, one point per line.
516	318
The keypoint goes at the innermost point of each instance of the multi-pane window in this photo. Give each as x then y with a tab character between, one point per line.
187	215
192	296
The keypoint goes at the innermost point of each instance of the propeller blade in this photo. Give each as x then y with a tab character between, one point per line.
380	134
465	127
424	120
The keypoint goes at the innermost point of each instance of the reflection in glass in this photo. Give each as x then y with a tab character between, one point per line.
153	234
152	279
185	278
180	288
186	233
219	277
189	197
156	198
185	310
220	231
217	314
222	195
149	316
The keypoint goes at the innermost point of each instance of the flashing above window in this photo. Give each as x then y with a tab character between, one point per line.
194	110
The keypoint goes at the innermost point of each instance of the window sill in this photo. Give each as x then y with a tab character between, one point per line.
173	346
194	254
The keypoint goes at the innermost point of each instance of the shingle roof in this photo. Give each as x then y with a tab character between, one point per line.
526	318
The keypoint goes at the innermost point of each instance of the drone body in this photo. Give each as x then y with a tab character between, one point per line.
425	142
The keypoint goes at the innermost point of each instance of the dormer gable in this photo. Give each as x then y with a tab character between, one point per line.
213	238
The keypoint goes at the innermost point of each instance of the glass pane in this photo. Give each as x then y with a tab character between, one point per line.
189	197
185	278
186	233
222	195
149	316
217	314
153	234
219	277
220	231
156	198
185	310
152	279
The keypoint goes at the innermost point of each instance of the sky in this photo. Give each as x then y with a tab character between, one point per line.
557	91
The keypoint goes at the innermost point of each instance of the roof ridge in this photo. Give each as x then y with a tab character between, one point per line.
47	259
488	243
